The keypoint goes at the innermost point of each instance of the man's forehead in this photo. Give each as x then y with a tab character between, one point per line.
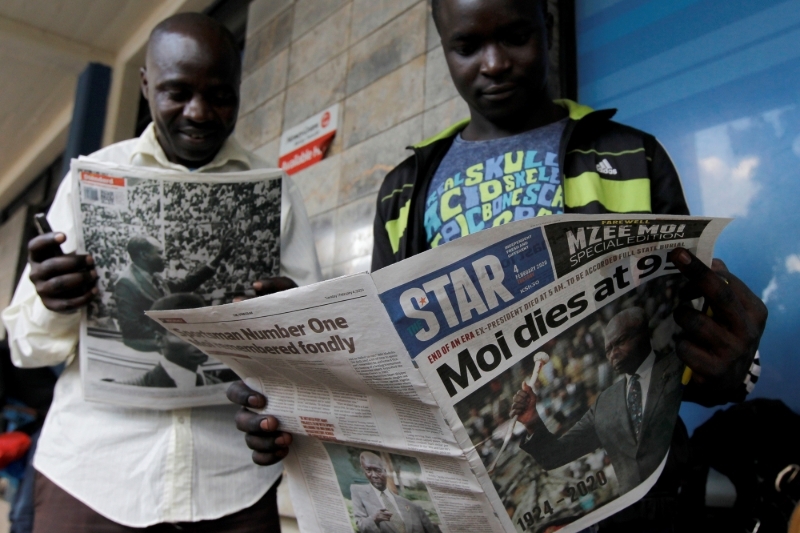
471	15
171	53
372	461
621	324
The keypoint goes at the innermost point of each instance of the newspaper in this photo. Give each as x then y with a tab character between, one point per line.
473	387
166	238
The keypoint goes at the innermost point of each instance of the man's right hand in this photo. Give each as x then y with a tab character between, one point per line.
65	283
523	406
381	516
261	431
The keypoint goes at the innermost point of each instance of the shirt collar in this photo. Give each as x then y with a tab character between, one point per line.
386	491
148	146
646	367
183	377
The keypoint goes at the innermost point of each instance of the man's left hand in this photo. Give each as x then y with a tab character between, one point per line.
720	348
262	433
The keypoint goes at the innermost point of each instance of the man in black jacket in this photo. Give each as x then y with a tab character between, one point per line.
517	142
522	154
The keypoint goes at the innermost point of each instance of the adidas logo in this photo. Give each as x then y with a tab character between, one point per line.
604	167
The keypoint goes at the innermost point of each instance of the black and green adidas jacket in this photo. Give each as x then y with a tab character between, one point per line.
645	181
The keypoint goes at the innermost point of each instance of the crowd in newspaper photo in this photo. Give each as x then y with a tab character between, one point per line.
165	244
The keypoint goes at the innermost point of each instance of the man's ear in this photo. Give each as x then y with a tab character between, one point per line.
549	22
143	83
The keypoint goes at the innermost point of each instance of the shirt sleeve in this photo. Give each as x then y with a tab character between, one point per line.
298	251
37	336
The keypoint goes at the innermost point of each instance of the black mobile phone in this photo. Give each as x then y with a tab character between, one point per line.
42	225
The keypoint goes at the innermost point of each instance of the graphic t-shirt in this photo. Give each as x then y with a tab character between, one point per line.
481	184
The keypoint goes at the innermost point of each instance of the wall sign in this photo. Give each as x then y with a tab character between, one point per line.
305	144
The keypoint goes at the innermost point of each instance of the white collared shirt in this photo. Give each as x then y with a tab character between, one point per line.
139	467
645	372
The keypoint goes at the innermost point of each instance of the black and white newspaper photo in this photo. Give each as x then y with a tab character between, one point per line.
167	241
530	370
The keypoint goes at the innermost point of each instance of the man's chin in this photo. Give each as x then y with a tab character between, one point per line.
504	112
195	156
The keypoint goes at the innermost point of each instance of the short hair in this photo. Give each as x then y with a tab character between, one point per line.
370	455
171	302
436	5
190	22
138	243
632	316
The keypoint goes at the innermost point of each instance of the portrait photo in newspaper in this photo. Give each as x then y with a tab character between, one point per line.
169	244
384	492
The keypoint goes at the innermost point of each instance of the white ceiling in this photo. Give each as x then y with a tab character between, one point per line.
44	46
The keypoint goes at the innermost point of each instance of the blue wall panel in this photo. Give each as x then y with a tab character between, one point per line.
718	82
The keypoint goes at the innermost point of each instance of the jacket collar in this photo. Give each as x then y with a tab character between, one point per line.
147	146
576	111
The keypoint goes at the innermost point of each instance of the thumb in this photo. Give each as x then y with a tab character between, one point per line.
526	387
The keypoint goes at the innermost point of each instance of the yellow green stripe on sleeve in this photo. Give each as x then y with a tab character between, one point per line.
618	196
397	227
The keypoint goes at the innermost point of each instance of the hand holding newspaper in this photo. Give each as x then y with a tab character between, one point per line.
398	385
538	360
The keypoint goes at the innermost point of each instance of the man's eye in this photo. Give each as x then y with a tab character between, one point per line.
178	95
223	97
518	38
465	49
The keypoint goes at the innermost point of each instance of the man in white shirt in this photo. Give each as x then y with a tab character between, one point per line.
105	468
632	420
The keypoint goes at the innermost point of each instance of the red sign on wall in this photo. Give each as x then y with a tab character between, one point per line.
305	144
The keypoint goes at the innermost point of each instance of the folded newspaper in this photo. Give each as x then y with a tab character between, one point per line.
159	240
520	379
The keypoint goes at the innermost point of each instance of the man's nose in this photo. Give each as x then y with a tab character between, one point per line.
197	109
494	61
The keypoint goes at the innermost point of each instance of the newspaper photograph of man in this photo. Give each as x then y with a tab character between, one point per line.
384	492
180	362
594	422
159	238
139	285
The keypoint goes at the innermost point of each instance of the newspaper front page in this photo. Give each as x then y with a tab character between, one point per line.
166	238
519	379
